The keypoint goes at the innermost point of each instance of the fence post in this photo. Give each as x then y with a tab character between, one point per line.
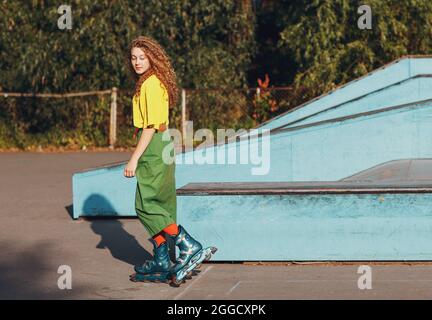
113	118
183	105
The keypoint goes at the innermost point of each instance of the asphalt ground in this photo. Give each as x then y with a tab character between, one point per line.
38	235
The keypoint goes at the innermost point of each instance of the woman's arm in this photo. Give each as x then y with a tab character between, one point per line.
143	142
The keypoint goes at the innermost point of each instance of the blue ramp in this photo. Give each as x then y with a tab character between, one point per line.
386	80
327	151
381	214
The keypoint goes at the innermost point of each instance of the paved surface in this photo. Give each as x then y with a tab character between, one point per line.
37	235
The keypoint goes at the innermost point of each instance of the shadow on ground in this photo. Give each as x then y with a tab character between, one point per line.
26	274
122	245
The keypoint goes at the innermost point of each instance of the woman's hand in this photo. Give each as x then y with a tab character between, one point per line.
143	142
130	168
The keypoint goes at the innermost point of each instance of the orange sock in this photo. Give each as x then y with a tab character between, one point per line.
159	239
172	229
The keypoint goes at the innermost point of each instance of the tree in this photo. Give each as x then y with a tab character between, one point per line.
323	39
210	44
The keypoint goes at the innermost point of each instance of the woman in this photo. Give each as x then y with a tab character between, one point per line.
155	198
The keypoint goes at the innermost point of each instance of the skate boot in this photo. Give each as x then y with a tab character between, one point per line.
190	258
155	270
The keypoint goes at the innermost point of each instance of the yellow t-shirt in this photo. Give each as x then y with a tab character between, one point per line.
152	106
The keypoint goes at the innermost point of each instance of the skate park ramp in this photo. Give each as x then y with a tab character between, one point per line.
402	81
411	175
410	171
382	213
328	151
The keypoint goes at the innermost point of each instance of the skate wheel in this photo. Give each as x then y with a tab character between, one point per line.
136	277
210	254
133	278
175	283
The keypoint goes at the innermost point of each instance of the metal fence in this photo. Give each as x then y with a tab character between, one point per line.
237	108
111	110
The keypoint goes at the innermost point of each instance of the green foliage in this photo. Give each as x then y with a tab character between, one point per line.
337	51
210	43
313	45
264	103
215	109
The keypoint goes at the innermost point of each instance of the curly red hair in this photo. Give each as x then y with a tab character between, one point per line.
159	65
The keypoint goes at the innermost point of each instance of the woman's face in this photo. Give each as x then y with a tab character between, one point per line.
139	60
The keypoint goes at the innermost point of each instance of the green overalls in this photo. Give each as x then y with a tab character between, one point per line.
155	198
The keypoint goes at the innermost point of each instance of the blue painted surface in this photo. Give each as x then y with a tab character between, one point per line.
413	89
331	151
326	152
312	227
102	192
389	75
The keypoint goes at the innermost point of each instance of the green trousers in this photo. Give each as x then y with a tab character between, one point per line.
155	197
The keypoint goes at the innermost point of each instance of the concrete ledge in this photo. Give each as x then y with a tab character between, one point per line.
311	227
283	188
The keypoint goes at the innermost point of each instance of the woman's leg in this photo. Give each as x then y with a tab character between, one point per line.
155	205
